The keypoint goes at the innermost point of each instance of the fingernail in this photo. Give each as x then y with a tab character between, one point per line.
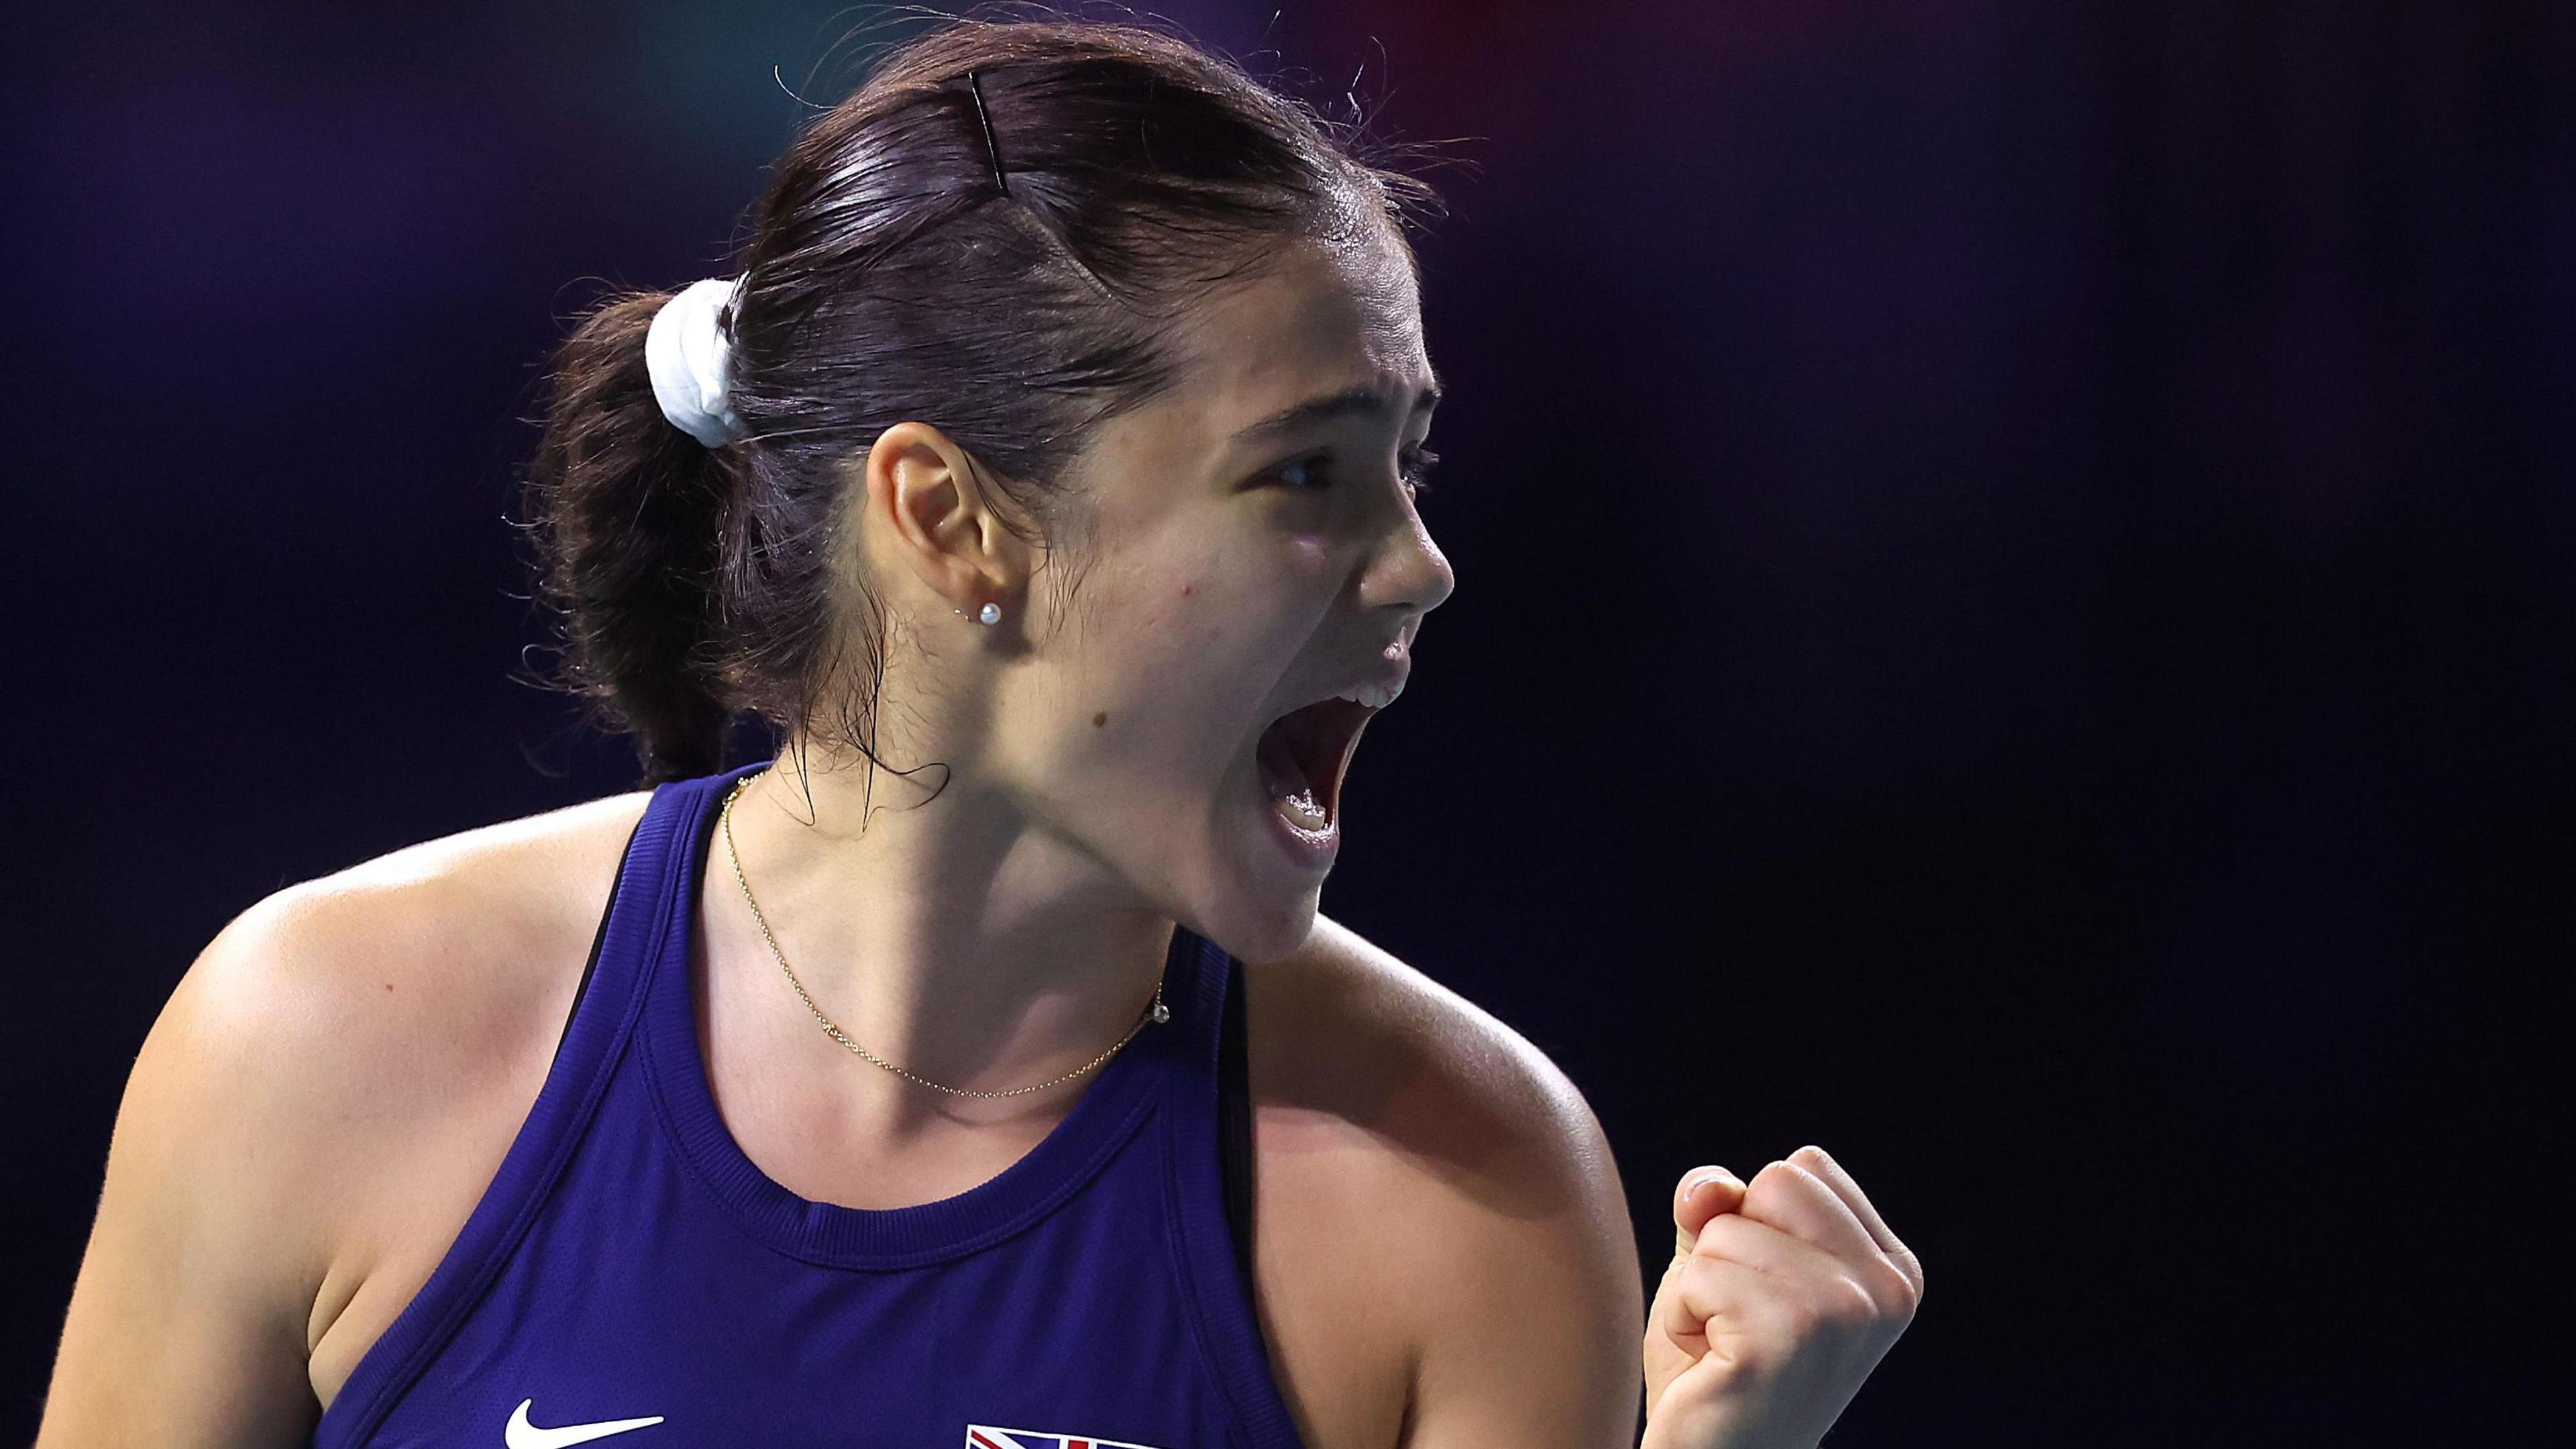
1696	1181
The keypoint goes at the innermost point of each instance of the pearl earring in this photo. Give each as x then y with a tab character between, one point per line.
989	614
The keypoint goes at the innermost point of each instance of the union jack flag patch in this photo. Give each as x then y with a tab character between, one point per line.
985	1436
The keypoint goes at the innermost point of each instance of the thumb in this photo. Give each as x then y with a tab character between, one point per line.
1704	1192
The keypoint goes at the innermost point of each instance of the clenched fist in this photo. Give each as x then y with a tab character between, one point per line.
1782	1296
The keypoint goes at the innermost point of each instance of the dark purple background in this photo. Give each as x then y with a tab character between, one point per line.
2017	590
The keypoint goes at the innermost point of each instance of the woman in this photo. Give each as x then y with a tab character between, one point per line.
1062	431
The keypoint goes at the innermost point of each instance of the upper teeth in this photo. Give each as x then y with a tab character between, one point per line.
1374	696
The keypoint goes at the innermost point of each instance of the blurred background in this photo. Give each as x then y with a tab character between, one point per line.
2016	610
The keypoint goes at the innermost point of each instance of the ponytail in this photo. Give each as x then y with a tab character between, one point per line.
632	514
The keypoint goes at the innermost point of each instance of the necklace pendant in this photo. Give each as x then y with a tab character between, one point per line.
1162	1013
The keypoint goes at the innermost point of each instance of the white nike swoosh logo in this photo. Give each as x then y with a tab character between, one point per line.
523	1435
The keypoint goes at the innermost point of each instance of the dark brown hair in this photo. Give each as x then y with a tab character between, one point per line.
1011	287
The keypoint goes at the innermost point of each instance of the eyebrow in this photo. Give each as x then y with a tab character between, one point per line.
1330	408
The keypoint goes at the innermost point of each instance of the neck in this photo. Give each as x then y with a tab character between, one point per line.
947	937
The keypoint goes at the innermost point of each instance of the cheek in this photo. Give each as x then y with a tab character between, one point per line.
1165	666
1185	648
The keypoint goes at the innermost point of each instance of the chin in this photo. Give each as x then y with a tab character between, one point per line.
1265	930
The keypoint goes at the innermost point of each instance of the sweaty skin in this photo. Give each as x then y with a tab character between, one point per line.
1444	1256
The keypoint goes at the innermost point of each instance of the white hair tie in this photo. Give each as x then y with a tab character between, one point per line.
692	362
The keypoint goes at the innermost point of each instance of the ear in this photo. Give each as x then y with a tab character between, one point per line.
927	511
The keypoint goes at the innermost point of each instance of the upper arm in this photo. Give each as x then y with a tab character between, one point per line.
341	1066
1538	1303
188	1321
1448	1237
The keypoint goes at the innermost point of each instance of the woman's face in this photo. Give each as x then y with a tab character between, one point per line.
1256	549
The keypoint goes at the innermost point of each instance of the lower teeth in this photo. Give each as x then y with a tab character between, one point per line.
1302	811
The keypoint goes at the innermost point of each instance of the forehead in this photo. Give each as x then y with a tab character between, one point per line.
1320	317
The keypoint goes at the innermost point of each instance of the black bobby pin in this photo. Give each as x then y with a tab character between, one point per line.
992	147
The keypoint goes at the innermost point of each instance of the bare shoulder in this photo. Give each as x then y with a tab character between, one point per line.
395	1021
1438	1216
1369	1043
309	1121
418	960
355	1018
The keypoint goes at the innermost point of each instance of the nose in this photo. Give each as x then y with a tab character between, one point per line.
1407	571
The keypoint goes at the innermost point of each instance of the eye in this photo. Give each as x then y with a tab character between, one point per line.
1305	474
1315	474
1417	466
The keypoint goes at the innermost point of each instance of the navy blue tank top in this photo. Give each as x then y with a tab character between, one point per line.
630	1277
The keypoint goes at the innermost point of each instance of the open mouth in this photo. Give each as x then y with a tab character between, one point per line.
1302	757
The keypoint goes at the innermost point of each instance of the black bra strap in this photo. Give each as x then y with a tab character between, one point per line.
598	938
1234	1123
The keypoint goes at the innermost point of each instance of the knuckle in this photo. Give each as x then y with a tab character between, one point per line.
1744	1363
1804	1314
1910	1268
1699	1279
1772	1185
1713	1240
1849	1307
1896	1293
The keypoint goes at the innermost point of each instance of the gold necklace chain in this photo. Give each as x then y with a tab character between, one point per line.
1157	1012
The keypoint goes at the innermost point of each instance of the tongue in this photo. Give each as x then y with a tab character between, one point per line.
1281	775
